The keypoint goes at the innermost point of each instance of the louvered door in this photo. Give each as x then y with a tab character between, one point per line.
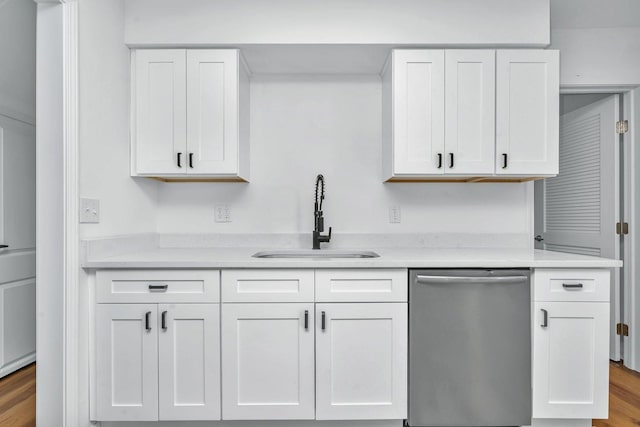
577	211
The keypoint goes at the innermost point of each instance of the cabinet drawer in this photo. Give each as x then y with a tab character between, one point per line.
270	285
132	286
362	285
571	285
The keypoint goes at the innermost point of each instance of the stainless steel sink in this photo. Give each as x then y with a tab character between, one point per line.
311	253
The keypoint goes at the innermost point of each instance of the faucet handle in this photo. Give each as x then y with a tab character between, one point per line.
329	235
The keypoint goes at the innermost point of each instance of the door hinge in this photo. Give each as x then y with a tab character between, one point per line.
622	228
622	126
622	329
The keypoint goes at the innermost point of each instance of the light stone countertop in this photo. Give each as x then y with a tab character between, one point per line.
240	257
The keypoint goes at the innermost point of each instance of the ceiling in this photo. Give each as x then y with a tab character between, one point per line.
595	13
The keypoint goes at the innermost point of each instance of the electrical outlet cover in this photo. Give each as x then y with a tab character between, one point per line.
222	213
394	215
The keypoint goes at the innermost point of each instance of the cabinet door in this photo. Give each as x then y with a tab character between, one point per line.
189	361
17	325
126	362
159	123
470	112
571	360
361	361
267	361
418	111
212	102
527	108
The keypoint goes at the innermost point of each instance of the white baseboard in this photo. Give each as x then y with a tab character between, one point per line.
17	364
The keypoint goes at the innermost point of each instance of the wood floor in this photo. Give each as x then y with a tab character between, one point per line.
624	398
18	398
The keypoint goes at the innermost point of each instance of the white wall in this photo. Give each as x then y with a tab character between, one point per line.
598	56
18	70
127	205
395	22
305	125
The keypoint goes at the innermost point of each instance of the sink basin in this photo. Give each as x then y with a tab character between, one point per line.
311	253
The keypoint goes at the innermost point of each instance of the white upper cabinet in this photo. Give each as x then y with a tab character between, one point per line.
191	114
527	120
470	112
159	124
413	88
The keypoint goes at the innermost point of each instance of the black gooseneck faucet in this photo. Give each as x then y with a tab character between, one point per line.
318	218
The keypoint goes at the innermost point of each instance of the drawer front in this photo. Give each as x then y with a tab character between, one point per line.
571	285
175	286
267	285
361	285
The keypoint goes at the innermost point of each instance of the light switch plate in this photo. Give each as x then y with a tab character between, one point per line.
222	213
394	215
89	211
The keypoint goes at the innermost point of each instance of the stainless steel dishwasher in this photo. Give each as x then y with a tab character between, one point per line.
469	348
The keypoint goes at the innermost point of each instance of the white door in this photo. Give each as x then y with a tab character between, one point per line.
361	361
470	112
160	111
127	362
18	241
212	103
527	112
189	361
570	360
418	112
267	361
576	211
17	185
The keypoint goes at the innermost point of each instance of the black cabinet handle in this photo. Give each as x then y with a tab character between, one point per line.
323	321
164	320
545	318
450	160
439	160
179	160
504	160
158	287
306	320
572	285
191	160
4	246
147	321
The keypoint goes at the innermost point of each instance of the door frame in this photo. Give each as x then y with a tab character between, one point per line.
630	295
57	236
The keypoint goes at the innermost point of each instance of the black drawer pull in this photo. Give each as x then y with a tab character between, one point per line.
161	287
504	160
439	160
306	320
164	320
545	318
572	285
324	321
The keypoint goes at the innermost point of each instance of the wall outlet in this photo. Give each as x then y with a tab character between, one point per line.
223	213
89	211
394	215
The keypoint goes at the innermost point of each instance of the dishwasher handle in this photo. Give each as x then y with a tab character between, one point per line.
466	279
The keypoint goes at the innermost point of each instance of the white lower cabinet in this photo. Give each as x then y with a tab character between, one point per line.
267	361
157	362
189	362
571	360
361	361
127	362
